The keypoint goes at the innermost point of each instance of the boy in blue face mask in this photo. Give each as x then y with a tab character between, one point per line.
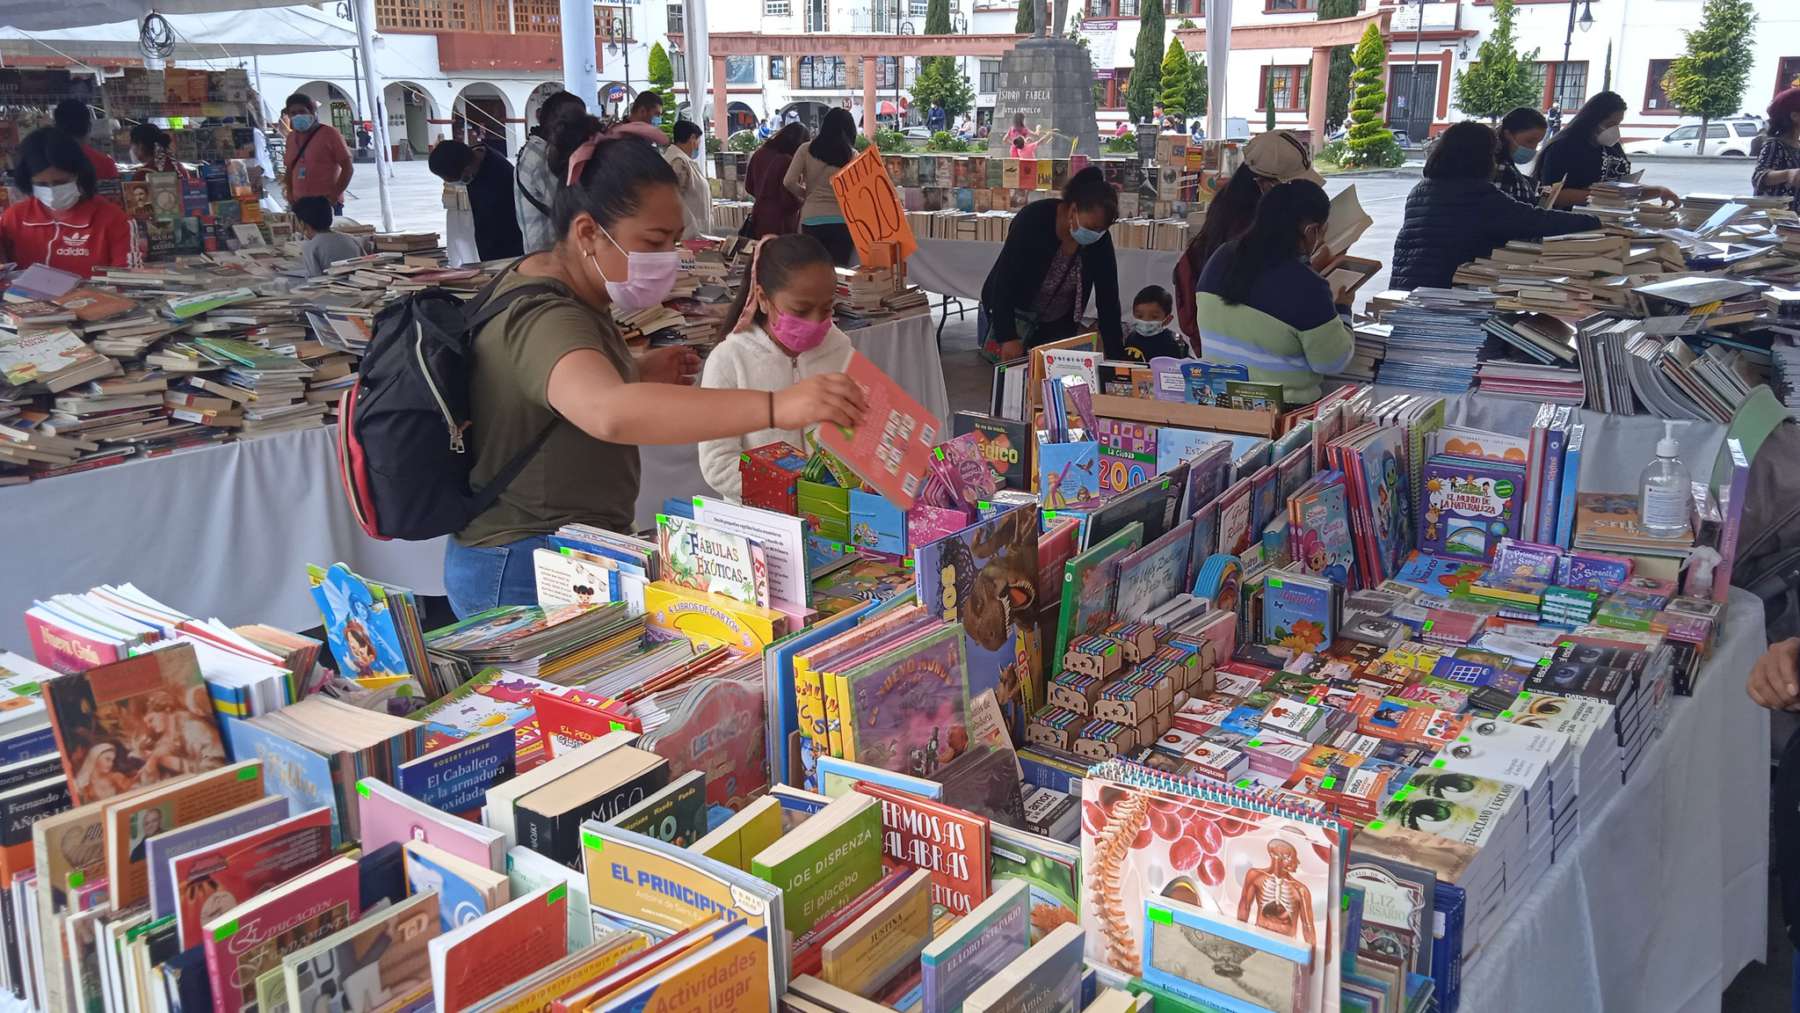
1152	331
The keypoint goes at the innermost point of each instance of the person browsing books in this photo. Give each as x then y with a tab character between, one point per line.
696	196
775	210
552	371
150	150
61	223
1520	133
1456	213
1261	305
316	162
1777	172
533	183
1587	151
781	334
322	247
1152	327
1272	157
73	117
1057	255
809	178
489	178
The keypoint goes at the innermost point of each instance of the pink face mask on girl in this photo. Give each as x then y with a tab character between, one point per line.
797	334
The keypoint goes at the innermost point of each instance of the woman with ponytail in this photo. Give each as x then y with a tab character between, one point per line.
552	374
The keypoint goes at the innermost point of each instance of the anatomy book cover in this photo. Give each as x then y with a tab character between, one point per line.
909	710
1259	869
985	578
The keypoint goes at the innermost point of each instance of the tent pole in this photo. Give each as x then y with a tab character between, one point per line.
579	55
365	37
699	63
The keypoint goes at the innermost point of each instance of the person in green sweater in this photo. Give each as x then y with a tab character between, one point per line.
1260	304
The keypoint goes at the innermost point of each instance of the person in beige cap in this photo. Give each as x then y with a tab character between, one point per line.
1276	156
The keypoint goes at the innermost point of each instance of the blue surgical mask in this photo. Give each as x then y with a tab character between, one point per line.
1149	327
1523	156
1085	236
304	122
656	121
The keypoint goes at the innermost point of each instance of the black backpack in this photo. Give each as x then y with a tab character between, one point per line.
404	463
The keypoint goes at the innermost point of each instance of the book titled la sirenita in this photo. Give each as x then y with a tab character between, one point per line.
134	723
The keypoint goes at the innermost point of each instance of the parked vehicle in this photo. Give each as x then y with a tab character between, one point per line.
1734	136
917	135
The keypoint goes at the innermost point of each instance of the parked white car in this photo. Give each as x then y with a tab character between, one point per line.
1723	137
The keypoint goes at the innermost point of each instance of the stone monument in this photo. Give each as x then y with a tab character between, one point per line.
1049	80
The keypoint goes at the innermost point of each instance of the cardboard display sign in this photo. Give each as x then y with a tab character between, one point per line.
873	211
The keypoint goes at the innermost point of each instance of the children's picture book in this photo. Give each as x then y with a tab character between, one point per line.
1468	505
891	450
134	723
567	576
977	947
706	558
214	879
909	709
1068	473
1004	443
717	727
380	964
1150	576
1319	529
473	961
1090	583
248	941
468	890
359	625
712	619
1299	612
985	578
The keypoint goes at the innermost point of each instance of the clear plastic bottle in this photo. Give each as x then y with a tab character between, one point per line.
1664	496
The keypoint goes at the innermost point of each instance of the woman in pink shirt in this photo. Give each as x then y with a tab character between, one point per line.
317	161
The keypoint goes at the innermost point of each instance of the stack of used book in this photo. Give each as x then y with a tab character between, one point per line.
1435	342
876	293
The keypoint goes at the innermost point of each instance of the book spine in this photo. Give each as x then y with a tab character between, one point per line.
1571	487
1550	489
216	975
548	835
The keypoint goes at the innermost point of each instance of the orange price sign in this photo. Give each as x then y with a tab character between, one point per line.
872	210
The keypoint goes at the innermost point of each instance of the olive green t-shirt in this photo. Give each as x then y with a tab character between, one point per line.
573	478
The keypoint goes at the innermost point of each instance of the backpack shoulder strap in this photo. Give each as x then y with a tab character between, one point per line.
482	309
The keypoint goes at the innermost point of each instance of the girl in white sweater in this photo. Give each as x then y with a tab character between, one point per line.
782	335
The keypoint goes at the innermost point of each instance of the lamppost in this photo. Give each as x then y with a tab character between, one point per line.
1586	22
900	28
961	23
1412	82
618	37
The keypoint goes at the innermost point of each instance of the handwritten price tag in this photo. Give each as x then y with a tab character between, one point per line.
873	211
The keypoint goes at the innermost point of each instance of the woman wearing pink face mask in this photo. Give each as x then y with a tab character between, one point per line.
782	334
555	392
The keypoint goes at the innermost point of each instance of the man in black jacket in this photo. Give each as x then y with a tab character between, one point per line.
1456	213
1057	253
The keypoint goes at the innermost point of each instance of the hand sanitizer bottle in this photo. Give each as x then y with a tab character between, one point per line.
1664	497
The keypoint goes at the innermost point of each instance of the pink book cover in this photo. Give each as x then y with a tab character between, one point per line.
388	815
252	944
212	880
891	450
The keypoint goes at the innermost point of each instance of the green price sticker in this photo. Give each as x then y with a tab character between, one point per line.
1328	783
1245	783
937	452
589	839
557	892
1504	715
225	931
1462	738
77	878
1275	582
700	501
1312	699
1400	796
362	789
1160	916
249	773
615	726
1253	743
1376	824
1425	628
1437	763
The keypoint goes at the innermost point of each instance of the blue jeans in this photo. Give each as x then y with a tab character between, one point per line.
478	578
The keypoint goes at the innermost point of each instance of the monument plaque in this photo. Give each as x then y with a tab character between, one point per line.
1050	82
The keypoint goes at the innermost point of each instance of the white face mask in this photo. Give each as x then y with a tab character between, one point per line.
1607	138
1148	327
58	196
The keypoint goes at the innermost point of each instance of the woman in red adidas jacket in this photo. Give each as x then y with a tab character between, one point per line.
61	223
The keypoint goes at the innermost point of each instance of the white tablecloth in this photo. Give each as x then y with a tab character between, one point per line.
905	349
959	267
222	531
1664	897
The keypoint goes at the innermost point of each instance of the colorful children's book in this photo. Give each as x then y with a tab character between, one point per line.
849	830
1004	443
712	619
706	558
134	723
468	890
1045	977
1090	586
985	578
1319	529
247	941
380	964
722	974
473	961
1299	612
1068	473
908	708
891	450
1467	505
1150	576
359	624
977	947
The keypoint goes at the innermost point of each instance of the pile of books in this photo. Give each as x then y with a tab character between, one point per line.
1433	348
877	293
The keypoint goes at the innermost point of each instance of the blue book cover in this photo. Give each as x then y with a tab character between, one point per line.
358	624
456	777
303	777
837	776
1468	505
1571	486
977	947
459	901
1175	445
1448	902
985	577
877	524
1550	484
1153	574
1068	473
1382	463
1298	614
1319	529
26	744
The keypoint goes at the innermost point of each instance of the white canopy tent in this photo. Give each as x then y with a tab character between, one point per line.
202	30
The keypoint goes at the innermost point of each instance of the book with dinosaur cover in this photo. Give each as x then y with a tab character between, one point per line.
160	692
985	577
